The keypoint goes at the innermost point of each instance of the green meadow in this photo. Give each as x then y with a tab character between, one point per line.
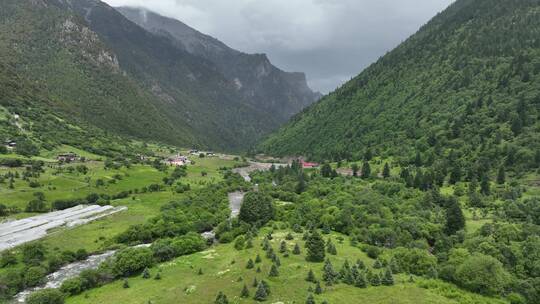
224	269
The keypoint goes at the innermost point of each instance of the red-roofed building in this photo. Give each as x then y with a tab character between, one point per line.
308	165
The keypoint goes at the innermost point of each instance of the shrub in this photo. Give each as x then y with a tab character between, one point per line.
132	260
46	296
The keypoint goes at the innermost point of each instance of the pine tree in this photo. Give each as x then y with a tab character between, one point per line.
146	274
221	299
501	176
455	220
283	247
355	169
310	299
388	279
250	264
260	293
375	280
345	269
258	259
126	284
289	237
377	264
315	247
386	171
255	282
318	288
311	276
301	184
361	281
485	185
366	170
158	276
329	275
200	272
273	271
296	249
258	270
249	243
245	292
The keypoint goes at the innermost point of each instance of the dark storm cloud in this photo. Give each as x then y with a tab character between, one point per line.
330	40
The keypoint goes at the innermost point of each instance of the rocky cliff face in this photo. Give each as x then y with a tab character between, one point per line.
264	86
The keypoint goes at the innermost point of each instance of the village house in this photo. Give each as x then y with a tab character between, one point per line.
308	165
178	161
67	157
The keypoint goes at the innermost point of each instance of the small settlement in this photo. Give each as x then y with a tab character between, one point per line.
68	157
178	160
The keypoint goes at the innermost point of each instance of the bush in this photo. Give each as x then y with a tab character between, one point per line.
46	296
72	286
132	260
36	206
34	276
483	274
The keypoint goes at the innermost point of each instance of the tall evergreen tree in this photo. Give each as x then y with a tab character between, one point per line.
355	169
310	299
315	247
501	176
386	171
366	170
245	292
261	293
485	186
273	271
296	249
311	276
455	220
388	278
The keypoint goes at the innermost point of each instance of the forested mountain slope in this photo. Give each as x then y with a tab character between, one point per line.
466	88
263	85
96	66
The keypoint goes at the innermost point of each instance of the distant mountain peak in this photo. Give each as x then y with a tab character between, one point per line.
265	86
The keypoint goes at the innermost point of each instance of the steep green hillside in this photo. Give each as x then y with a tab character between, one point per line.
466	88
95	66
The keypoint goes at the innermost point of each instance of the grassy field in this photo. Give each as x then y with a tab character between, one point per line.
224	270
97	235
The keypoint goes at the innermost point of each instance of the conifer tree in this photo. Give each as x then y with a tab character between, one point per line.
375	279
501	176
250	264
258	259
455	220
361	281
255	282
311	276
273	271
296	249
485	187
283	247
200	272
386	171
261	293
355	168
315	247
388	278
245	292
329	275
221	299
366	170
125	284
289	237
258	270
157	277
318	288
310	299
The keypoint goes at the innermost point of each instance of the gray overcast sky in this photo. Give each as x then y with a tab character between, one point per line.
330	40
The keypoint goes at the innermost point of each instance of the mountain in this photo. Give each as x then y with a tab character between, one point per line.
257	80
96	67
457	90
